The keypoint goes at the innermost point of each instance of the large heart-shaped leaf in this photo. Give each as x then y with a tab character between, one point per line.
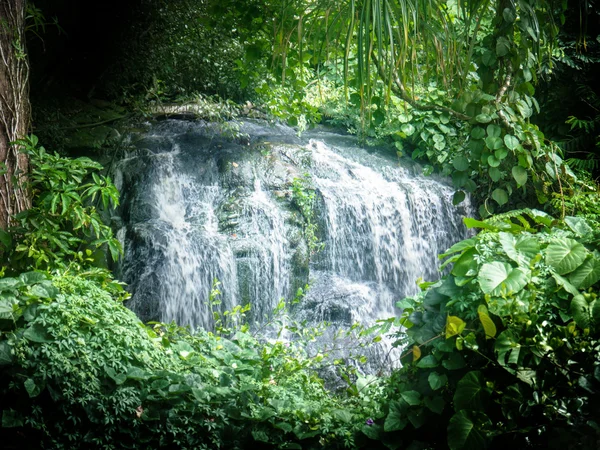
497	277
465	431
587	274
565	255
521	249
471	392
582	312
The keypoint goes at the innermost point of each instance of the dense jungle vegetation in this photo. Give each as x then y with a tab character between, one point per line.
500	96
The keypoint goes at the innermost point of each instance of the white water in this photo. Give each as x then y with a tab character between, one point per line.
192	215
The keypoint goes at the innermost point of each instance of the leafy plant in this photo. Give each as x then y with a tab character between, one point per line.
63	227
504	349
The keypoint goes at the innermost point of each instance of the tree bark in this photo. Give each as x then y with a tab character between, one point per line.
14	109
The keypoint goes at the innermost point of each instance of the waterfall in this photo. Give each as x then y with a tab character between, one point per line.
196	207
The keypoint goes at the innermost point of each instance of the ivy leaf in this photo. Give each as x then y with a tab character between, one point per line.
493	161
460	163
520	175
454	325
565	255
437	381
477	133
494	131
495	174
483	118
408	129
413	398
488	324
465	431
500	196
511	142
428	362
496	277
493	142
458	197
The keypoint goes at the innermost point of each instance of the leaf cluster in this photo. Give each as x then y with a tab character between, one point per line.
504	350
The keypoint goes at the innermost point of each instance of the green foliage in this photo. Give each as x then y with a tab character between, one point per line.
304	198
505	347
79	370
63	226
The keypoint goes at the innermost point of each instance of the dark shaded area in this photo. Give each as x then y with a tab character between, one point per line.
73	55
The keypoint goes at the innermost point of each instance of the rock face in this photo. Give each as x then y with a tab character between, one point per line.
203	201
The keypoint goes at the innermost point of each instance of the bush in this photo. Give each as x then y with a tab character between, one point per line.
84	372
505	349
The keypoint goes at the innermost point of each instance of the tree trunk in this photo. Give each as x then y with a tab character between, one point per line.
14	109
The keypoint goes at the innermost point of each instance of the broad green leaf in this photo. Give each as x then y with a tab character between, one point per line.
520	175
459	179
581	312
495	173
37	333
459	246
408	129
455	361
460	163
483	118
454	325
435	404
11	419
465	432
498	277
565	255
428	362
587	274
437	381
6	357
458	197
464	263
5	239
501	153
493	142
494	131
477	133
511	142
488	324
579	226
596	313
474	223
32	389
566	284
471	392
507	348
520	248
396	418
413	398
500	196
502	46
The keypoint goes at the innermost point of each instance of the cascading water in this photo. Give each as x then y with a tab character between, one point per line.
198	207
